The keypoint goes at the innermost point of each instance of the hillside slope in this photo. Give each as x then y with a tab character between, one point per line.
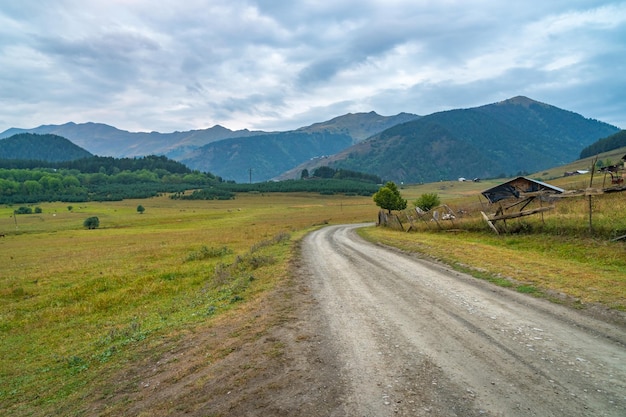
513	136
607	144
35	147
263	157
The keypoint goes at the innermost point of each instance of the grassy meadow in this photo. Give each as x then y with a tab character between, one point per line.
78	305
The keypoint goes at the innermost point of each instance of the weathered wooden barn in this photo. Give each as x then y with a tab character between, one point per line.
517	194
519	187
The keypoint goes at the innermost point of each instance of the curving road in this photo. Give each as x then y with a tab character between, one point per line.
413	338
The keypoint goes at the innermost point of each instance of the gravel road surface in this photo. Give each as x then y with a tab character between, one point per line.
413	338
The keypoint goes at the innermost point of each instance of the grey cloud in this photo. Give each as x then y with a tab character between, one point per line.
246	63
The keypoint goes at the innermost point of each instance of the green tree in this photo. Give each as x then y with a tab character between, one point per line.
70	181
305	174
427	201
92	223
32	187
140	209
323	172
388	198
23	210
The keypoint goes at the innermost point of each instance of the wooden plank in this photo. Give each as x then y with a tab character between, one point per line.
520	213
489	222
615	189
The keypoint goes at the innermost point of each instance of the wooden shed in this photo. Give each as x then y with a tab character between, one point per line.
522	191
518	188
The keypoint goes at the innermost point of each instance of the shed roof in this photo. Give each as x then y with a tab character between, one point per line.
516	186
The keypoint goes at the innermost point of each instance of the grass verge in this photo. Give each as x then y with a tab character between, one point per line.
587	270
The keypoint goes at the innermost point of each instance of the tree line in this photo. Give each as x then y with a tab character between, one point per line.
112	179
104	165
607	144
340	174
96	179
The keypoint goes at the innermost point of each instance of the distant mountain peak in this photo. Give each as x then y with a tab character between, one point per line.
520	101
359	125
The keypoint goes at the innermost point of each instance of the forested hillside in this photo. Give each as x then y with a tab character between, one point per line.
260	158
615	141
46	147
512	137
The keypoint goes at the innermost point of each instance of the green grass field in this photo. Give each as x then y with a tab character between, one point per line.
75	302
77	305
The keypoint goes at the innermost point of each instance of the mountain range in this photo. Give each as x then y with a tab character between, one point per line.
499	139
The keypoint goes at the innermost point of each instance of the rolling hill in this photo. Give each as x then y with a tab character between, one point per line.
51	148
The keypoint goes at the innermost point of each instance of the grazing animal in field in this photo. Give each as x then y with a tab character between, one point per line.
1	234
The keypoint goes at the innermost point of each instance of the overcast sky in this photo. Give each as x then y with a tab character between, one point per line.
145	65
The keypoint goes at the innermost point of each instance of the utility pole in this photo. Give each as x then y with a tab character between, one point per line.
593	168
250	175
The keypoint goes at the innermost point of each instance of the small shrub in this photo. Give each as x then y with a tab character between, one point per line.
207	253
282	237
279	238
257	261
427	201
23	210
222	274
92	223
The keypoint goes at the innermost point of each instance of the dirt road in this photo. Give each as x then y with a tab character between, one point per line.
411	338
